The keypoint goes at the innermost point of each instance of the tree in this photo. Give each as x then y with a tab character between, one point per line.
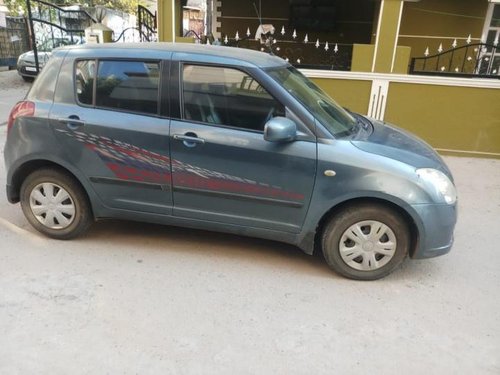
19	7
127	6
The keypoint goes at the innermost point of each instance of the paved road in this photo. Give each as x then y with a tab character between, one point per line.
12	89
132	298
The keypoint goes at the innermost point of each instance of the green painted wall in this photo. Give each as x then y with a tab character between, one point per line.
430	22
354	95
448	117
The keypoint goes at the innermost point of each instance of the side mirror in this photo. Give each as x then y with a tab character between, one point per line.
280	129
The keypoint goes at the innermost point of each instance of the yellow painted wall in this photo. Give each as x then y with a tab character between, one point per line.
362	57
169	10
387	38
354	95
430	22
465	119
448	117
402	61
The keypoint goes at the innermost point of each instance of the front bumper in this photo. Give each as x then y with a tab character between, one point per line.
27	70
436	224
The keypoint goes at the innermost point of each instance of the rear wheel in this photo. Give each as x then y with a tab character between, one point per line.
55	204
365	241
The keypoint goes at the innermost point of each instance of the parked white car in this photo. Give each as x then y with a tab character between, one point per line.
26	66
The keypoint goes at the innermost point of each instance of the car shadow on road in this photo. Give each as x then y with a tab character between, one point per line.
234	248
152	237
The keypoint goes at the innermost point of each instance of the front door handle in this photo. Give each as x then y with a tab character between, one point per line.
189	139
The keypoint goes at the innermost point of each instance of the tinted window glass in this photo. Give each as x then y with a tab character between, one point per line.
128	85
84	80
227	96
336	119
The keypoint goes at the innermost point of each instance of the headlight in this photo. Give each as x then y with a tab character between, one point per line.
438	181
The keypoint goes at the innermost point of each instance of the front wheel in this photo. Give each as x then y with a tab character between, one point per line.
55	204
365	241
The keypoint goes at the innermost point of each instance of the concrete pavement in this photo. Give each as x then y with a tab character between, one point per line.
131	298
12	89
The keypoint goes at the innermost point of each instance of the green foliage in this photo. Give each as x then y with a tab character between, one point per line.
19	7
127	6
16	7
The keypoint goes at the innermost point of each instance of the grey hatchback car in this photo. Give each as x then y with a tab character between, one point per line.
223	139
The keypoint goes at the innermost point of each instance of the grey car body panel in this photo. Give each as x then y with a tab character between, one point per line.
398	144
282	192
113	130
360	175
215	54
31	141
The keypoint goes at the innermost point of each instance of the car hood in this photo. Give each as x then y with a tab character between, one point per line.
395	143
29	57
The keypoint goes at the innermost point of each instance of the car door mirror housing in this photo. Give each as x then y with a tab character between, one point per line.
280	129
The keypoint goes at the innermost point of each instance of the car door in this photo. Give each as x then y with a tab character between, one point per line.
222	168
116	132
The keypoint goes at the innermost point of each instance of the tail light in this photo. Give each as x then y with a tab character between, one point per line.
21	109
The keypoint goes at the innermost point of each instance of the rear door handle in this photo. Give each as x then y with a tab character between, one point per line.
189	139
73	122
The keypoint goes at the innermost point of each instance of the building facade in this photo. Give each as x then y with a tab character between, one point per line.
430	66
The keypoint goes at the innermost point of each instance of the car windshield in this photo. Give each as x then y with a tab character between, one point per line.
336	119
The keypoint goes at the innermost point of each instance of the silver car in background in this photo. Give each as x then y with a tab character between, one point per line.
26	63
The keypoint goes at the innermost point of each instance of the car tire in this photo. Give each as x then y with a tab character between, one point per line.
55	204
365	241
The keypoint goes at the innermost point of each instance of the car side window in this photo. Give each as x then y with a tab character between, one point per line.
84	80
226	96
128	85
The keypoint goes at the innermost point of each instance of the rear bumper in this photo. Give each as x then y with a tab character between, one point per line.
436	227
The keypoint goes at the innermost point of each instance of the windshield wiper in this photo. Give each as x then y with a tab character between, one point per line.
360	120
356	127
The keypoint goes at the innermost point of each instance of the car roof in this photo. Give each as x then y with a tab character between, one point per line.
210	53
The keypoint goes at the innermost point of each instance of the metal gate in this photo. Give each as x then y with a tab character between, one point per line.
476	60
147	25
51	27
14	40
